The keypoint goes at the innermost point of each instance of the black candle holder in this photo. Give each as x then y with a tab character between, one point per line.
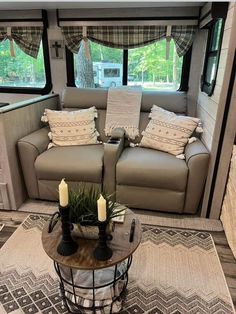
67	246
102	252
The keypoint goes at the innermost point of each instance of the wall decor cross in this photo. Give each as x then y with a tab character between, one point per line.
56	47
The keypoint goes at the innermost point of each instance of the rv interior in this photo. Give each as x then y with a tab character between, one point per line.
117	157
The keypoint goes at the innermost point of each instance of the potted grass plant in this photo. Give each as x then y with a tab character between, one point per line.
84	213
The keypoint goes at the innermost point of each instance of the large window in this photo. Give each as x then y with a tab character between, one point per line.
212	57
146	66
21	70
23	73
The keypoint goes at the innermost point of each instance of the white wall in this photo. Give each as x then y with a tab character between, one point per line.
207	107
58	66
199	45
211	111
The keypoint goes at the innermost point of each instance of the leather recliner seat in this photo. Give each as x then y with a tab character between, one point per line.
75	163
152	169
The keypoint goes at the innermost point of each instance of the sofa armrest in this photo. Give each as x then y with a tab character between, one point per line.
197	158
112	151
194	149
117	133
29	148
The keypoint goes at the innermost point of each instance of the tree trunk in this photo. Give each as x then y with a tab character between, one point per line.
101	53
142	76
85	69
175	68
32	73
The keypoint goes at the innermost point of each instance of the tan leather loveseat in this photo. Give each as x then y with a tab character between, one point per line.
141	177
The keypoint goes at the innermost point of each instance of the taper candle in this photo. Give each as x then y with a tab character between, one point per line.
102	208
63	193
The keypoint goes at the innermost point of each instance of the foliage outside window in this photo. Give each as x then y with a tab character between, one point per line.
21	70
147	66
212	57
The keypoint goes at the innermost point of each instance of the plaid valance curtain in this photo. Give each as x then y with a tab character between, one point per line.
27	38
127	37
183	38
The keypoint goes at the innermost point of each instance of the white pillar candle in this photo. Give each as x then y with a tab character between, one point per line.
63	193
102	208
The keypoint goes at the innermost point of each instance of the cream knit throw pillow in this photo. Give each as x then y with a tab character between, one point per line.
71	127
168	132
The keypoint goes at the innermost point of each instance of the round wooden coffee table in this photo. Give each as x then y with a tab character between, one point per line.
111	274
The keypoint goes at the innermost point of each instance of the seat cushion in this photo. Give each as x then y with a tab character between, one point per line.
151	168
75	163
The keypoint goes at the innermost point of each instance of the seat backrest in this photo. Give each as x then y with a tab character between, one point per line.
81	98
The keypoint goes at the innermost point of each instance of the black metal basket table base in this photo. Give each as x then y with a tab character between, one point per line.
86	284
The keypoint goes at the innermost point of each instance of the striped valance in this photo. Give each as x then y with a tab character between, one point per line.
27	38
127	37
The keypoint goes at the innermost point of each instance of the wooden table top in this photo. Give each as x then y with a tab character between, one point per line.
83	258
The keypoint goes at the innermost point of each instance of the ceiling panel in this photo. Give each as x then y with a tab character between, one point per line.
17	5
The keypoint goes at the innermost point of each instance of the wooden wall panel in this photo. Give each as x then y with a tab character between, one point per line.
215	104
207	139
205	116
208	104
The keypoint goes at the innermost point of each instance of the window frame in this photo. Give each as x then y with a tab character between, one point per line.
48	86
207	87
184	75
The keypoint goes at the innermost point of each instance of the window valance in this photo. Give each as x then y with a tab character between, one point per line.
27	38
127	37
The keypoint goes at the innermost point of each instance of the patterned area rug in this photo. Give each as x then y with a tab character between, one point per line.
174	271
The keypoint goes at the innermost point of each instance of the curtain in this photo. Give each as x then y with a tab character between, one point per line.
127	37
27	38
183	37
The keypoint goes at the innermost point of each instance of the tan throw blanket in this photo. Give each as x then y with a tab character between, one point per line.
123	110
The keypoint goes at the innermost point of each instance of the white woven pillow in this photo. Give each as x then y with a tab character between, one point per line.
71	127
168	132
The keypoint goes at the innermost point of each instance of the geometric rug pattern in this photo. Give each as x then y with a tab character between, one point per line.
29	294
155	302
174	271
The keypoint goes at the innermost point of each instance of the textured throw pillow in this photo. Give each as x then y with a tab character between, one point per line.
71	127
168	132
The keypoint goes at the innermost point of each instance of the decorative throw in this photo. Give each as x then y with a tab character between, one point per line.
71	127
123	110
169	132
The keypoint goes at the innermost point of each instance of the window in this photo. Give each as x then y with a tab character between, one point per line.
212	57
146	66
111	72
21	70
23	73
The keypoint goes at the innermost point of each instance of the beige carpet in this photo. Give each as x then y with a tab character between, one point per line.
145	216
173	271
